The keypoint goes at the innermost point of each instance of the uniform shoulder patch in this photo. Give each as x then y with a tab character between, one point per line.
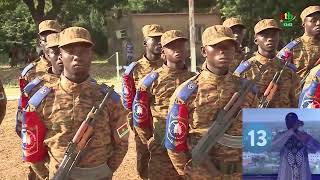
130	68
32	84
243	67
149	79
105	88
187	90
27	69
38	97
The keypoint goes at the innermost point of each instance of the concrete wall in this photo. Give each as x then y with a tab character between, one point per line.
134	23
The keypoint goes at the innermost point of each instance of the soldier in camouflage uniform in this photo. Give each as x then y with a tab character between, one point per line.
51	52
3	102
238	29
151	60
267	39
40	66
51	76
215	87
173	73
64	105
311	76
307	52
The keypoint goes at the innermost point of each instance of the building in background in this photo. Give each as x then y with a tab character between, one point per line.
129	27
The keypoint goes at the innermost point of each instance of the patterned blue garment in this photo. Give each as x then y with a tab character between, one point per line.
294	163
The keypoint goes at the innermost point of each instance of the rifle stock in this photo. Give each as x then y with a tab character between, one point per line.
79	142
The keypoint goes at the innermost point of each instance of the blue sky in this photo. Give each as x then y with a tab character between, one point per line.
277	114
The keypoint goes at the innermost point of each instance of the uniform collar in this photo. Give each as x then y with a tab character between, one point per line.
262	59
150	62
309	40
72	87
208	75
168	70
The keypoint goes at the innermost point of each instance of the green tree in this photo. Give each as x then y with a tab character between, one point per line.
251	11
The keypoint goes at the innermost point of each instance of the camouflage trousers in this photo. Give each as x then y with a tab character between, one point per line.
160	165
38	171
143	154
208	171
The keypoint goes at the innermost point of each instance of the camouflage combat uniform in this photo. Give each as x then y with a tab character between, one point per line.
3	102
66	106
40	66
143	67
311	76
203	105
239	56
160	166
307	52
287	94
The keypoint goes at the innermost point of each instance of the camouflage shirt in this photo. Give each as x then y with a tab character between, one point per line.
144	67
63	111
40	68
306	54
287	94
47	78
3	102
311	76
213	94
161	91
238	58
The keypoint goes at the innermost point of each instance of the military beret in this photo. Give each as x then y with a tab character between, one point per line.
172	35
230	22
266	24
309	10
49	25
75	35
52	40
152	30
216	34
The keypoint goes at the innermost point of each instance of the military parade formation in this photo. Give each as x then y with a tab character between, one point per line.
186	125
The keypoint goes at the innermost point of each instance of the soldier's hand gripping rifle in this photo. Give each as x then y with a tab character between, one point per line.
80	141
272	88
223	121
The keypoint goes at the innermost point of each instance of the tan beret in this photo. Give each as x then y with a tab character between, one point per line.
230	22
152	30
309	10
172	35
75	35
52	40
49	25
266	24
216	34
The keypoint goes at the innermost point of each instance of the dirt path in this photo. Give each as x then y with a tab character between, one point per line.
12	167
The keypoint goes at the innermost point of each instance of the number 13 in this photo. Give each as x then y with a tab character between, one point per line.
262	141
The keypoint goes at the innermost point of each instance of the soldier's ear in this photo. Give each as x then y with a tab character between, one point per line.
144	43
255	41
203	52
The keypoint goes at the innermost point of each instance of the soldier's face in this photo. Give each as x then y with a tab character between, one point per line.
43	38
312	24
239	33
220	55
175	51
153	45
76	60
52	55
268	40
